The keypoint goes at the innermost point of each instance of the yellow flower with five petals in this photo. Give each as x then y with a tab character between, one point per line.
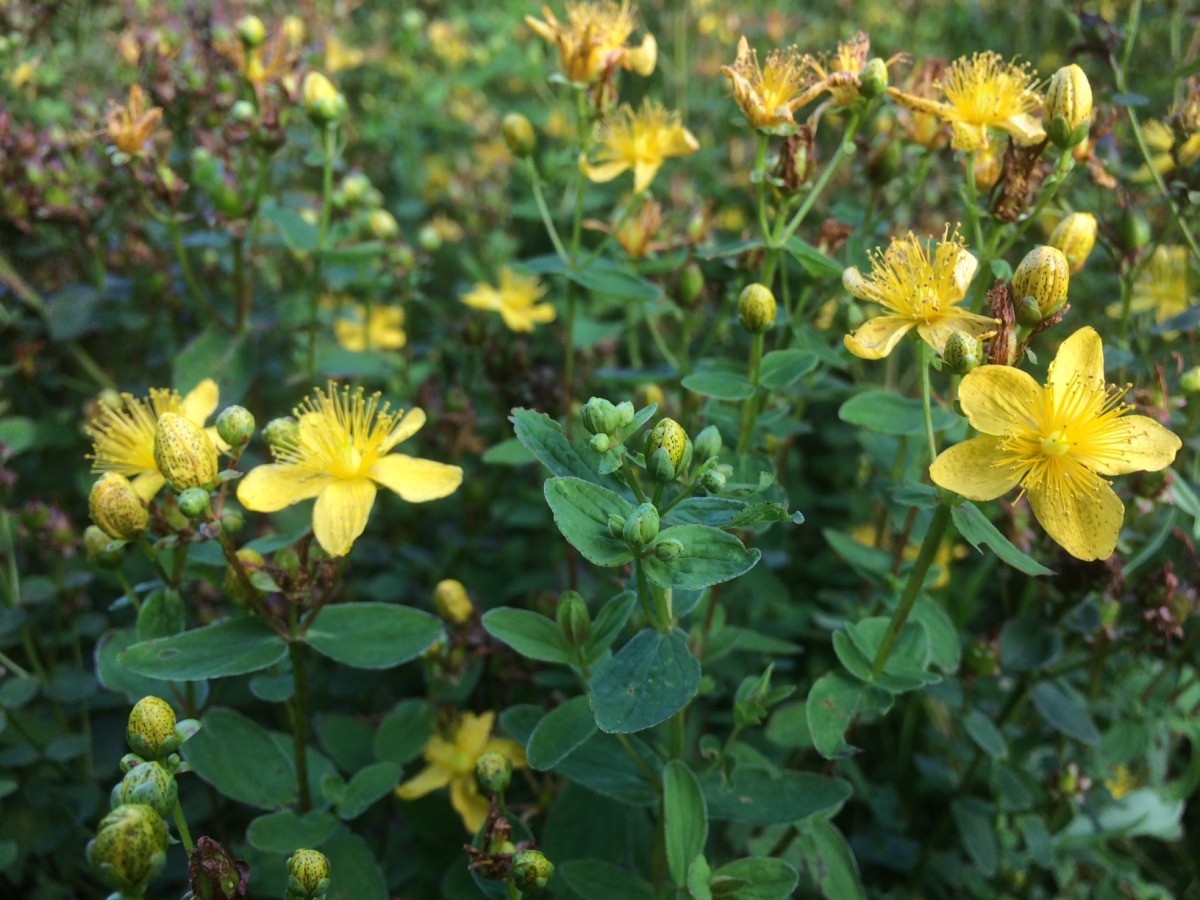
515	299
640	141
1055	441
451	762
770	95
343	449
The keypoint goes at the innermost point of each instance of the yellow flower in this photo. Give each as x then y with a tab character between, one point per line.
592	40
451	760
132	126
123	434
769	96
23	74
918	289
1162	287
947	551
983	92
840	76
1055	442
339	56
1160	138
515	300
341	452
640	141
1121	782
382	330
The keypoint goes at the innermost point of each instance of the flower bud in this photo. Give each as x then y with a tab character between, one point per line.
519	135
429	239
235	588
601	443
1044	275
293	31
574	622
616	525
962	352
452	602
1068	106
650	393
184	454
756	309
1075	236
251	31
150	732
668	549
287	559
873	79
130	847
531	870
1029	314
321	99
308	875
493	773
668	436
96	545
243	112
690	284
193	503
235	425
232	520
625	413
599	416
707	444
116	507
1133	230
281	433
150	784
382	225
642	526
712	481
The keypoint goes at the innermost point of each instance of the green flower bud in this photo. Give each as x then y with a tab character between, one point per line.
712	481
599	416
708	444
1029	314
251	31
308	875
667	435
193	503
452	602
1133	229
756	309
287	559
382	225
235	425
150	784
1068	106
130	847
324	104
355	187
519	135
151	729
659	466
574	621
184	454
232	520
616	526
96	544
493	773
531	870
429	239
601	443
691	284
668	549
625	413
243	111
962	352
642	526
1044	275
281	433
116	507
873	80
1075	236
235	588
1189	381
981	658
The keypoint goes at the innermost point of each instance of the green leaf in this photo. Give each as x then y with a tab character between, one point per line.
353	872
560	732
115	677
764	878
71	313
1028	643
273	688
347	739
985	734
508	453
286	831
373	635
531	634
608	625
600	275
833	703
975	527
8	854
581	511
759	798
974	820
544	438
368	785
870	562
720	385
1065	712
886	413
297	233
405	731
231	647
685	819
758	513
1037	840
945	651
779	368
716	512
646	682
15	692
907	665
162	615
18	434
814	261
830	862
595	879
214	353
710	556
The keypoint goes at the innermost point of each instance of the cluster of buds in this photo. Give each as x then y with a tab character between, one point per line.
521	864
605	421
308	875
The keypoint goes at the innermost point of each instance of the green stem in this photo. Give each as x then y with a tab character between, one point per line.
329	139
535	182
929	548
189	277
300	721
678	733
151	555
9	663
513	893
181	823
1174	663
760	183
845	149
926	403
750	404
972	203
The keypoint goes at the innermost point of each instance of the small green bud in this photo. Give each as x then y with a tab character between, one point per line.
193	503
519	135
493	773
283	432
599	416
251	31
574	622
232	520
691	284
355	187
130	848
308	875
325	105
642	526
668	549
149	783
1189	381
962	352
1029	314
243	111
382	225
712	481
601	443
873	80
235	588
151	729
531	870
235	425
708	444
756	309
287	559
625	413
616	525
429	239
1133	229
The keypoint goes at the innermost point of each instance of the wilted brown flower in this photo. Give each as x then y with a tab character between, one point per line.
132	127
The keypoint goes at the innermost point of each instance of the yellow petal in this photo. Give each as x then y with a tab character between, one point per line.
516	320
964	271
341	512
416	480
876	338
272	487
997	398
542	29
602	172
484	296
428	780
1086	521
201	401
970	469
213	436
855	284
680	142
472	733
937	331
643	174
511	750
1135	444
919	104
1082	355
1024	128
148	484
644	58
467	802
413	421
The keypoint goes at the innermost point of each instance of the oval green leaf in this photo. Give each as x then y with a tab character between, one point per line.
373	635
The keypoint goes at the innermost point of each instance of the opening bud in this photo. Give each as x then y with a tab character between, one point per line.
184	454
642	526
1068	106
235	425
1189	381
96	544
116	507
150	731
1075	236
281	433
574	622
668	549
452	603
193	503
251	31
756	309
668	436
708	443
690	284
130	848
150	784
308	875
712	481
962	352
616	526
531	870
873	79
1044	275
382	225
599	416
601	443
235	588
493	773
519	135
243	112
324	104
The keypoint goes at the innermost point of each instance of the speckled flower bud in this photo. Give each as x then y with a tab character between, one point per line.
1068	106
235	588
642	525
308	875
574	621
531	870
712	481
184	454
96	544
708	444
1189	381
873	79
962	352
151	729
116	507
667	435
756	308
1075	236
452	602
150	784
382	225
322	100
251	31
668	549
194	504
130	847
235	425
493	773
1044	275
599	416
519	135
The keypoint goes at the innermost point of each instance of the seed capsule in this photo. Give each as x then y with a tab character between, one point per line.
116	507
235	425
184	454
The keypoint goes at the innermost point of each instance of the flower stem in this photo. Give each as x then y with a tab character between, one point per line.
181	823
972	204
189	277
513	893
926	403
845	149
535	182
583	128
750	404
329	139
929	548
300	716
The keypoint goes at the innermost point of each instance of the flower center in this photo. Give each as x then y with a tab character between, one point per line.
1055	443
